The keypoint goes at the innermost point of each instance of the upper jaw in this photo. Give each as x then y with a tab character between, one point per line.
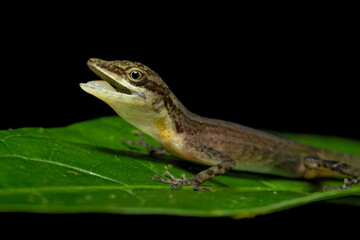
106	76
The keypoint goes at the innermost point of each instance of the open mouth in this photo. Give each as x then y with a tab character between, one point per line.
116	85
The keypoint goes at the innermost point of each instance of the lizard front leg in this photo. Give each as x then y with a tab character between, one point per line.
224	165
153	151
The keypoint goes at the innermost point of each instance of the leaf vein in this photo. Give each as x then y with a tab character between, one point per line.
64	165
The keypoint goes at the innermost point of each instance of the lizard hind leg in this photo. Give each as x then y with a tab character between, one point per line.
316	162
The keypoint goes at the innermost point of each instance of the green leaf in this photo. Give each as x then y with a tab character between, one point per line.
85	167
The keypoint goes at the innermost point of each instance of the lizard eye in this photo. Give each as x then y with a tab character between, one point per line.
137	77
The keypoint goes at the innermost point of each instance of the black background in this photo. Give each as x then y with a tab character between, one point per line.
292	69
281	72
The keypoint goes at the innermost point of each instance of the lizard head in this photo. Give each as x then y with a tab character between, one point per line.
132	89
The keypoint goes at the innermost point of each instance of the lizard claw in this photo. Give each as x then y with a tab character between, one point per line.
175	183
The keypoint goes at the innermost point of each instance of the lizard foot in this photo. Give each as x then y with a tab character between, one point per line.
153	151
176	183
347	184
315	162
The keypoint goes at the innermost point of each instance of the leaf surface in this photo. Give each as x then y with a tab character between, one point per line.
85	167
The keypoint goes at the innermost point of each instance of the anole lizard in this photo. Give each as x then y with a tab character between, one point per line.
141	97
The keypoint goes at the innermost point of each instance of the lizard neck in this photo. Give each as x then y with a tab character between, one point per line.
178	114
173	120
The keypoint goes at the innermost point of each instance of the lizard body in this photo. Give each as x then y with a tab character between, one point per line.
141	97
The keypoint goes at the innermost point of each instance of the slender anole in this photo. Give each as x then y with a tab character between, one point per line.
141	97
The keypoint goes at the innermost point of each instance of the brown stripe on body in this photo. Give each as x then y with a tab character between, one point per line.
234	142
